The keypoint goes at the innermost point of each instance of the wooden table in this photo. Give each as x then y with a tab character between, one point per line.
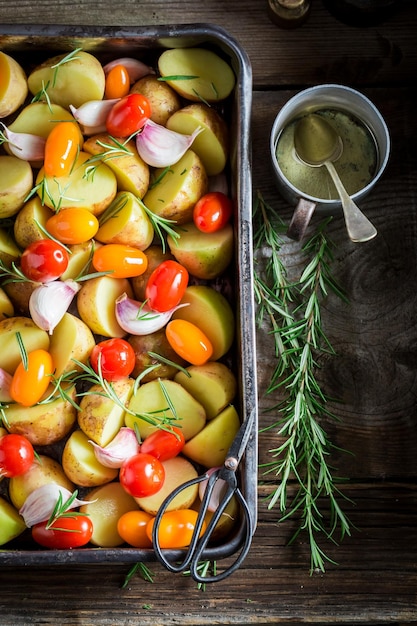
375	337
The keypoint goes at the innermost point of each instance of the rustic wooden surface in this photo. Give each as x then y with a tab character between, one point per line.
375	336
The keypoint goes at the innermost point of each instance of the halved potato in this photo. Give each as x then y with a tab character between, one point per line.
128	224
81	465
100	417
93	191
6	306
131	172
80	259
212	144
32	337
43	471
96	304
9	251
38	118
16	180
78	79
151	400
71	339
106	505
207	77
26	229
174	195
13	85
11	523
177	471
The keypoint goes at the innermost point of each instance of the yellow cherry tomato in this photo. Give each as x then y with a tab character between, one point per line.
73	225
117	82
175	528
188	341
61	149
131	526
30	383
121	261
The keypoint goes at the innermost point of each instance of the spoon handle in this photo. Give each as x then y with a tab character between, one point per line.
357	224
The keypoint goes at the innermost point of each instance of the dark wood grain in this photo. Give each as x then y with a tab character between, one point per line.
373	376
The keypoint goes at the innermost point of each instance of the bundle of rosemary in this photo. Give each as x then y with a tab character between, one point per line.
291	311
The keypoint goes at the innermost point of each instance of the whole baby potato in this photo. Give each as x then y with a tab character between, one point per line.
163	99
19	294
13	85
157	343
16	180
78	79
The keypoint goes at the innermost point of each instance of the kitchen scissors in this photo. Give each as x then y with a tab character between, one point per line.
227	472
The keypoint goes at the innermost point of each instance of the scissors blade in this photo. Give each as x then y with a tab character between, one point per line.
241	440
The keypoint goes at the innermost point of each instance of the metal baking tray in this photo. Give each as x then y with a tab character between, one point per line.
30	44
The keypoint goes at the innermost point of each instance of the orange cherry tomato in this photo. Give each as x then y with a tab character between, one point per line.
175	528
29	384
117	82
132	528
73	225
120	260
188	341
61	149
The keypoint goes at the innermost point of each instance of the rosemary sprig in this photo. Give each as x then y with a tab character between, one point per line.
293	311
62	509
144	573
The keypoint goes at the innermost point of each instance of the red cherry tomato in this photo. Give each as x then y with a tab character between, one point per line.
61	149
117	358
131	526
212	212
73	225
16	455
189	341
166	286
175	528
64	533
142	475
44	260
31	380
163	444
121	260
128	115
117	82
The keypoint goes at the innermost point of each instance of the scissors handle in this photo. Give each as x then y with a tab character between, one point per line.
200	540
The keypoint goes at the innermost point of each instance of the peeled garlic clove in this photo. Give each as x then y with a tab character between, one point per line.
92	115
217	493
136	69
122	447
5	381
25	146
40	504
136	318
49	302
160	147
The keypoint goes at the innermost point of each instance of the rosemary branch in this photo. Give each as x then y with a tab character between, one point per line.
293	312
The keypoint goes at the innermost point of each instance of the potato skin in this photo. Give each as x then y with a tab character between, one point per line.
163	99
15	88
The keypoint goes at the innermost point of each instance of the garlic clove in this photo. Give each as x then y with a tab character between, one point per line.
40	504
217	493
122	447
136	69
160	147
136	318
49	302
92	115
25	146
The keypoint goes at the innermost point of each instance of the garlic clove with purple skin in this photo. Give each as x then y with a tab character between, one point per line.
136	318
160	147
24	146
122	447
217	493
92	115
136	69
40	504
49	302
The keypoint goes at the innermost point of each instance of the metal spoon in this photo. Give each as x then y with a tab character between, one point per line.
317	143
